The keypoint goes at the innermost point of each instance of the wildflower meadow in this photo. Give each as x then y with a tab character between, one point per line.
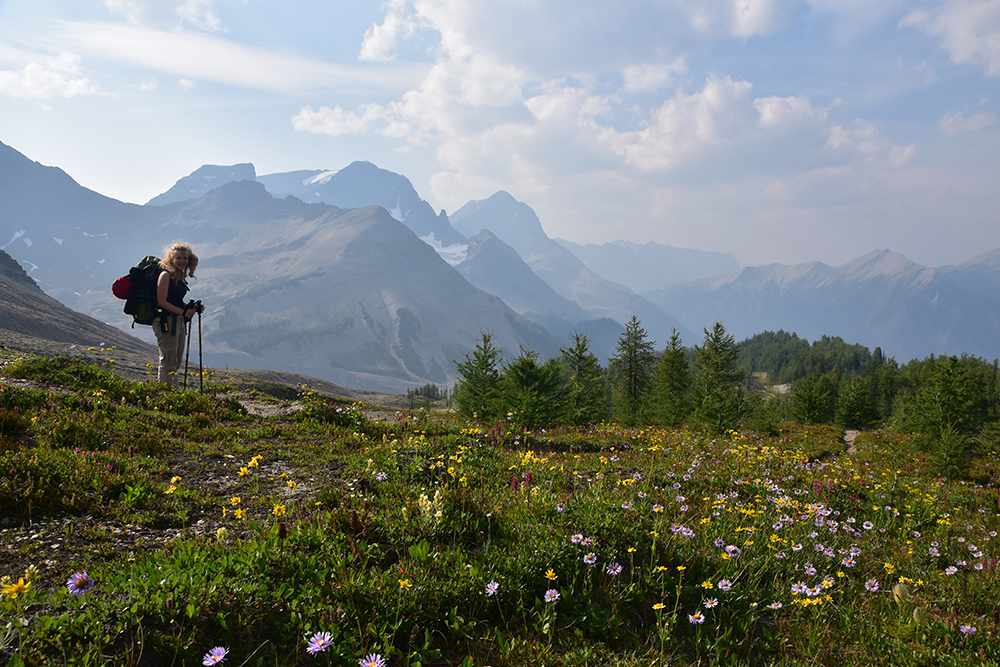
329	537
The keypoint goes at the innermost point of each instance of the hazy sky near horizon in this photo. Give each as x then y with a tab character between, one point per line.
779	130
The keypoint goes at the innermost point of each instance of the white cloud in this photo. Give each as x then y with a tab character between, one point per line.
168	14
956	122
380	40
335	122
558	38
721	111
969	30
46	77
187	84
863	138
760	17
784	111
900	156
647	77
198	56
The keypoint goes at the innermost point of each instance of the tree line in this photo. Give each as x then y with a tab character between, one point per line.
949	405
639	386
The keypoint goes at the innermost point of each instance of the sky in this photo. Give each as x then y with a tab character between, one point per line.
778	130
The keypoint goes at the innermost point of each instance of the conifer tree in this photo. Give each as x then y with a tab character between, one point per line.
672	384
478	390
531	393
814	400
632	371
854	406
717	380
945	414
587	386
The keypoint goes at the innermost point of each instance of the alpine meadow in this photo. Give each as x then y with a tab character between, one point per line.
432	333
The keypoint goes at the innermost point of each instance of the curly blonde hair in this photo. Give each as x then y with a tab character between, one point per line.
167	263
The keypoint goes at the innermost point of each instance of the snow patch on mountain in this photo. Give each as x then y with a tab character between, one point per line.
18	234
398	214
453	254
320	178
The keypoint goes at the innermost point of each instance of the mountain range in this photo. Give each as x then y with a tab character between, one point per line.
350	276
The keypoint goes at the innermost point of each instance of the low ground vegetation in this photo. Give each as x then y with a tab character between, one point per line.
151	526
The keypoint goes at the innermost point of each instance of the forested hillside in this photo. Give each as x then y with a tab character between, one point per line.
785	357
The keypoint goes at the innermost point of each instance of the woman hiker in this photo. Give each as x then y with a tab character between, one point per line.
178	264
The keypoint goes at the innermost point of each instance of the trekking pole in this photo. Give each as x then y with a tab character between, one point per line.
201	369
187	357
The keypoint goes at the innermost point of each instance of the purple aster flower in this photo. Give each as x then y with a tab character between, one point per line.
551	595
776	605
215	656
319	642
590	559
372	660
725	585
79	583
733	551
492	588
871	586
576	539
560	507
711	602
697	618
614	569
950	570
968	629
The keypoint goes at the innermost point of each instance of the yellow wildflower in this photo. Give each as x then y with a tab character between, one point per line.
13	590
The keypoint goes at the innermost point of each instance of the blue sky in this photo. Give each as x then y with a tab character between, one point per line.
779	130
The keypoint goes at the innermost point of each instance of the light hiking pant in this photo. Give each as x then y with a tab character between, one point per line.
171	346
